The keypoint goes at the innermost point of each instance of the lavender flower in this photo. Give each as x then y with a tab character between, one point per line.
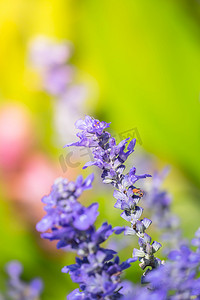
158	202
111	157
62	206
97	270
179	277
18	289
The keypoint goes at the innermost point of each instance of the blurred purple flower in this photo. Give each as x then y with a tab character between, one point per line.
178	278
46	53
56	81
18	289
158	202
196	240
59	78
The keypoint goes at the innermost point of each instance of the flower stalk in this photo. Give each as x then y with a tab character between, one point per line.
110	158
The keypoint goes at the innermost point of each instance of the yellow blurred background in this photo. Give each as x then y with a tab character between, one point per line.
141	62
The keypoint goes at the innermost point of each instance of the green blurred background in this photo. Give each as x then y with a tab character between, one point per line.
143	58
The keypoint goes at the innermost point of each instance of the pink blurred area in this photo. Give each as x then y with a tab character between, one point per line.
26	172
29	184
16	135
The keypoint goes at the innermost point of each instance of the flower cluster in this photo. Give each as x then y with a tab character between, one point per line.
177	279
97	270
158	203
18	289
63	209
179	276
111	157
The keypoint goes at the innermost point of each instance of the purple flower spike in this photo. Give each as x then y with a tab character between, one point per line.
111	157
178	278
97	270
63	209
